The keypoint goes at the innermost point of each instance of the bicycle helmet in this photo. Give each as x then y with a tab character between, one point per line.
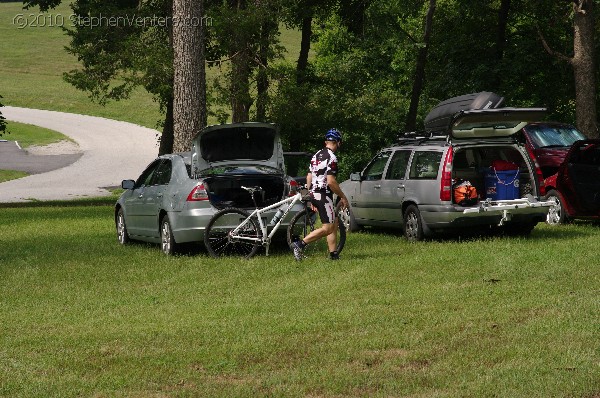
333	135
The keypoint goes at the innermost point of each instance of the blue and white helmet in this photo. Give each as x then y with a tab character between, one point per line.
333	135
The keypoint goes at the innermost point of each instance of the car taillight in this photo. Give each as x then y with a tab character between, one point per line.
446	182
198	193
293	188
538	171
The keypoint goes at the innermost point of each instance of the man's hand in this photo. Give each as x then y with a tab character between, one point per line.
344	203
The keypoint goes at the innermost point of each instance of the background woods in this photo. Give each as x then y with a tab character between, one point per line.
372	68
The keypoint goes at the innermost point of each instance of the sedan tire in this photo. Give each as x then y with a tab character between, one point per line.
122	234
167	240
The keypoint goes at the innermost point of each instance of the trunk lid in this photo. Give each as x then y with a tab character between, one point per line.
248	143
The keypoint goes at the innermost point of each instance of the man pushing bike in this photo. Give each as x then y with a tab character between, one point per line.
322	175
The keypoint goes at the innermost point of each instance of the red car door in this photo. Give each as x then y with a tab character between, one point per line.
578	179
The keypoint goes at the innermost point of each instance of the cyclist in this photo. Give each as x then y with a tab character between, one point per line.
323	170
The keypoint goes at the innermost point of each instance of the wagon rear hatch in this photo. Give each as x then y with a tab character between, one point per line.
578	177
492	124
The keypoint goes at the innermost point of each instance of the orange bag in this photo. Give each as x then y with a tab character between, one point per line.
465	194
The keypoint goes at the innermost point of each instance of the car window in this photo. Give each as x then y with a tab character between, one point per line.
162	175
425	165
374	171
544	136
146	176
397	168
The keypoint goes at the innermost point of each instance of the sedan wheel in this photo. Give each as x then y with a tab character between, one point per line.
556	214
122	234
167	241
413	228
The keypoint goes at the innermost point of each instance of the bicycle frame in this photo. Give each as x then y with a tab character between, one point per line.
265	239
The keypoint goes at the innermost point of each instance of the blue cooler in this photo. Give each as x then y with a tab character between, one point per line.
501	184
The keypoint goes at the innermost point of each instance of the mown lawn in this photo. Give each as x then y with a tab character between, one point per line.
83	316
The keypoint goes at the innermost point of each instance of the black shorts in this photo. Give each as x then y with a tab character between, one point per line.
324	205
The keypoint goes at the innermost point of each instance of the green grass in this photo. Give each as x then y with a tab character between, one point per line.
504	317
27	135
7	175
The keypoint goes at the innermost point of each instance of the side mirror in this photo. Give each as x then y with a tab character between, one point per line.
355	177
127	184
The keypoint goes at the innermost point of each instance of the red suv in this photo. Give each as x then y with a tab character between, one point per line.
548	143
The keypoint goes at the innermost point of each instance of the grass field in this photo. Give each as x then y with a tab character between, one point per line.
502	317
27	135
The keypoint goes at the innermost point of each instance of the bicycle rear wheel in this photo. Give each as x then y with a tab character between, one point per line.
218	239
306	221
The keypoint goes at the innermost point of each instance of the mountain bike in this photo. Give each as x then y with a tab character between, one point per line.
235	232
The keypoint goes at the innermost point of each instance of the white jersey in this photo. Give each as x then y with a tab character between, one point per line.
322	164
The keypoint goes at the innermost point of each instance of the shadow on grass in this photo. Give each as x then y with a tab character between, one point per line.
101	201
540	232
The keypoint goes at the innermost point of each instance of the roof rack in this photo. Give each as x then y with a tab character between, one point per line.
420	137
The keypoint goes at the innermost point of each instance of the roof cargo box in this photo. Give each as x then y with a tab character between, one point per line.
440	117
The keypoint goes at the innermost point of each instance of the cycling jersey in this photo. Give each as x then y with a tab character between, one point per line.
322	164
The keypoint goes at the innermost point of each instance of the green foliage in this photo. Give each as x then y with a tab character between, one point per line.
120	55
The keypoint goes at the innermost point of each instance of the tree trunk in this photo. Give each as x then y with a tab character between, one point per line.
501	42
189	83
583	68
262	79
166	138
304	50
240	85
419	77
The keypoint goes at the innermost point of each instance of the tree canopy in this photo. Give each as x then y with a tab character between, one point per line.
366	57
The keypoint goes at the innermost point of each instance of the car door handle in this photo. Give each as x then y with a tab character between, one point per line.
401	186
377	187
141	195
159	195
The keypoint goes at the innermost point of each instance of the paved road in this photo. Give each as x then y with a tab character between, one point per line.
13	157
111	151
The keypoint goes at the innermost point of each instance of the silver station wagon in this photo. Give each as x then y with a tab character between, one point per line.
173	200
414	184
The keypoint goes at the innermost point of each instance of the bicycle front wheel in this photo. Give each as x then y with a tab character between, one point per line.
220	241
306	221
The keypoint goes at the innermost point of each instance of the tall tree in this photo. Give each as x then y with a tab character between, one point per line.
419	76
583	66
189	79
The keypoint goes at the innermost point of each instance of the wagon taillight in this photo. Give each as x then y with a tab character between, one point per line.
446	181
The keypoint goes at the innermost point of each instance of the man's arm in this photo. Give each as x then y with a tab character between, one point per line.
335	188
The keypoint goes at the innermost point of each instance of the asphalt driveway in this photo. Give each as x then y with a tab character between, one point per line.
109	152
